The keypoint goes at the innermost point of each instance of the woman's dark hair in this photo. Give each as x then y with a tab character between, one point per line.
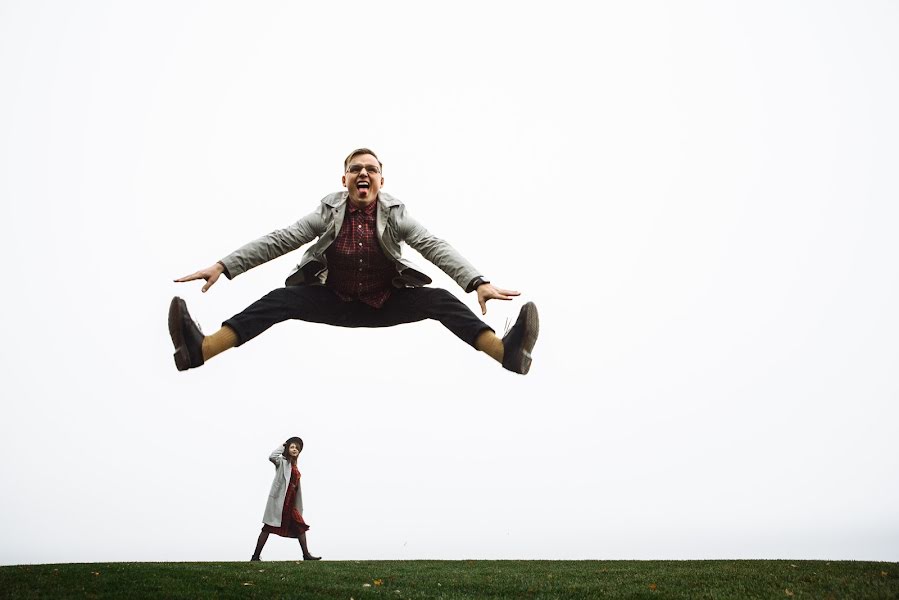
293	440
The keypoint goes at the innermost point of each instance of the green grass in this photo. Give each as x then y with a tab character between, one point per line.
452	580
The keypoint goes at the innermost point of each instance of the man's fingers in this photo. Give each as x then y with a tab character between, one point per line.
501	296
190	277
210	280
507	292
488	292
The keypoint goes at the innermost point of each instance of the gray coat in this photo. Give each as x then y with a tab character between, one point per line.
394	226
275	503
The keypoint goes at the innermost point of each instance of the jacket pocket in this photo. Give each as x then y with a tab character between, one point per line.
277	486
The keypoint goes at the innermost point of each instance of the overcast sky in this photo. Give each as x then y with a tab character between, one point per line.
700	197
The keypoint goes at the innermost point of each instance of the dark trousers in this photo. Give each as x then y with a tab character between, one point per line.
318	304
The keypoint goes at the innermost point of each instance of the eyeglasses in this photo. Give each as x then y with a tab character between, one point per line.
355	169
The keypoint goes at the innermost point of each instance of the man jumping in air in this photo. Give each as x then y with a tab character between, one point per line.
355	276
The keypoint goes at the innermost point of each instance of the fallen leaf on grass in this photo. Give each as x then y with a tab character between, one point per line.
95	572
378	582
653	587
366	585
883	573
788	593
248	583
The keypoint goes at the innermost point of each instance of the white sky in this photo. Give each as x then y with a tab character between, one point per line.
701	198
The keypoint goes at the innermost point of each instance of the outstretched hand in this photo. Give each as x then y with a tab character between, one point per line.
210	274
487	291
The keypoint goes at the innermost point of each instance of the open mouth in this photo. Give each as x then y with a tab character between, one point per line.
363	186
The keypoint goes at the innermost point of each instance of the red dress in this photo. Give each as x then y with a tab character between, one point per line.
292	523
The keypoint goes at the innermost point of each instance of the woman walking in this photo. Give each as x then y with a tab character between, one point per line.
284	509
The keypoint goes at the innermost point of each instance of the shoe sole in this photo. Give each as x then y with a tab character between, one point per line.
531	330
176	311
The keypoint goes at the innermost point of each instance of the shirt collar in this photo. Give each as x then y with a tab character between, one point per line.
369	209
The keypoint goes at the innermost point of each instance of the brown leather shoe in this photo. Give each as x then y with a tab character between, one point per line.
186	336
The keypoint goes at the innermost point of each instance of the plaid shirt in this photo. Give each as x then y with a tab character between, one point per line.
357	268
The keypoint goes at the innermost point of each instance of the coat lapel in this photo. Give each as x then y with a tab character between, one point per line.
338	213
381	219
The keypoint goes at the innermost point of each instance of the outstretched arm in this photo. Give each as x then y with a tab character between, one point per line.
452	263
210	274
261	250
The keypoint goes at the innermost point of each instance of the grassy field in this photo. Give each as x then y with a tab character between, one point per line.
481	580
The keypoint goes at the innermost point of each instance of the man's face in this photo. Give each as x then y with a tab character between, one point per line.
363	179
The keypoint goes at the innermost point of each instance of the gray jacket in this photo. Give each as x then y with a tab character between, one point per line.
278	494
394	226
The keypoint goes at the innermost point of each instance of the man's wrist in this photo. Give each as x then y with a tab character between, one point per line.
224	268
476	283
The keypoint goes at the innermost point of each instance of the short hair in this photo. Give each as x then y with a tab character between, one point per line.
357	152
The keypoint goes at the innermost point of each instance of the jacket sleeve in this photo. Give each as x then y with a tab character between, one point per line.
277	455
273	245
436	250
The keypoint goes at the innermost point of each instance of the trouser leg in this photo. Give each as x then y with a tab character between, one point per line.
313	303
416	304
